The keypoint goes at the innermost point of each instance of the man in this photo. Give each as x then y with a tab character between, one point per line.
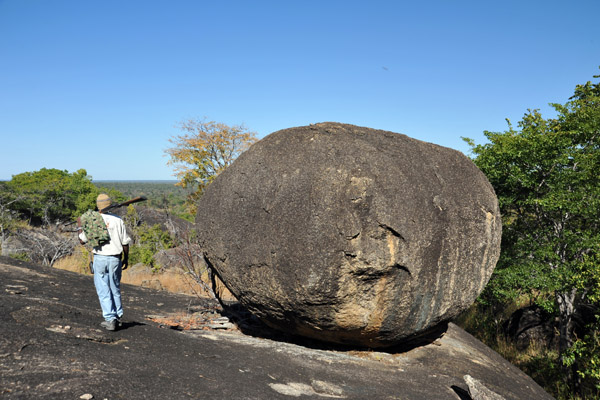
110	258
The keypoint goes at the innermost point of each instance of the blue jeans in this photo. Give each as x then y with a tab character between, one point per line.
107	278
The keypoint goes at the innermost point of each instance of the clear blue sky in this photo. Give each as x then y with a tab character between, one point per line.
101	85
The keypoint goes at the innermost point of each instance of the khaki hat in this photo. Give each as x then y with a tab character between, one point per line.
103	201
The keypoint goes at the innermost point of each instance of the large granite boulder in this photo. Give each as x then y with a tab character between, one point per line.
349	234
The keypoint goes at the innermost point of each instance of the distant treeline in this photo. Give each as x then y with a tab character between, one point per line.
162	194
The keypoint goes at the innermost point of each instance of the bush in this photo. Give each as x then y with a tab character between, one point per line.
148	242
51	195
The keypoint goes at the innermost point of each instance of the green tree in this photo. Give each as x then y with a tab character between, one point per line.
206	148
8	220
52	195
546	177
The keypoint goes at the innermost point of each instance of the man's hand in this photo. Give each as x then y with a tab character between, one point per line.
124	264
79	230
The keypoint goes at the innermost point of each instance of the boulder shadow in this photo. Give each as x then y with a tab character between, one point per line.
250	325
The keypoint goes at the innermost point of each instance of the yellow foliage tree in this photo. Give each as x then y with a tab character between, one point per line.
203	151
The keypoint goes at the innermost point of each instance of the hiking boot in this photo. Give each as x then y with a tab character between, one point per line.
109	325
119	322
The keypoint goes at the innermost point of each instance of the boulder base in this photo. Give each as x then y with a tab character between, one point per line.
351	235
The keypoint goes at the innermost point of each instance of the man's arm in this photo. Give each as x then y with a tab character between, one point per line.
125	261
125	240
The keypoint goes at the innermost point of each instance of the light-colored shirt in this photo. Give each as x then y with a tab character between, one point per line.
118	236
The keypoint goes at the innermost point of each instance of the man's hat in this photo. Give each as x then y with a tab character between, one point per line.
103	201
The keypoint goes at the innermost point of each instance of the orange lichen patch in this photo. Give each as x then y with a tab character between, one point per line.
181	321
195	321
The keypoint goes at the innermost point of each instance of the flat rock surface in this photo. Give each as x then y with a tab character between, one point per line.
51	346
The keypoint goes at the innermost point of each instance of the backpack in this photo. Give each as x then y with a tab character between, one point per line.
94	228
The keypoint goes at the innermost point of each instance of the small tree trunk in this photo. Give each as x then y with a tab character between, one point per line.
213	282
566	309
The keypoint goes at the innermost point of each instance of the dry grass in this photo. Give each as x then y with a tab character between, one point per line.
171	280
76	262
